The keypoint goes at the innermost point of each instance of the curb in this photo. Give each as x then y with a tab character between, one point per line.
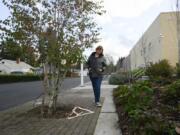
107	123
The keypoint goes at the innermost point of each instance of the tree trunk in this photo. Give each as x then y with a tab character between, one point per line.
56	80
55	103
52	106
45	85
52	82
42	105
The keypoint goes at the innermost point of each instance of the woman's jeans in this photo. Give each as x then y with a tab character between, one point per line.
96	83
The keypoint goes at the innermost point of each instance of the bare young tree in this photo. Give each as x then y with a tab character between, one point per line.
110	63
72	29
60	30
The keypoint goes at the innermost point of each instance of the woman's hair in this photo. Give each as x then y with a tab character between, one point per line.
100	48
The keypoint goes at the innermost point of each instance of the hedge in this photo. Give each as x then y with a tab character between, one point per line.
118	79
19	78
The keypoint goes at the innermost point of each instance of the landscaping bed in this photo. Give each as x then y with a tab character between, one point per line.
150	107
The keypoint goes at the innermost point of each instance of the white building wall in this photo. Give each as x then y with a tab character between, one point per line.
169	40
157	43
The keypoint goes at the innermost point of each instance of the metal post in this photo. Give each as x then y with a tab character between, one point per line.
82	75
82	66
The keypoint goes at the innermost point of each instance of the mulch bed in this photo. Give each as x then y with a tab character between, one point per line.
123	120
61	112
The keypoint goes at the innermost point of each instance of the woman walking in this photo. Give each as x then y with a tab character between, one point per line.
96	66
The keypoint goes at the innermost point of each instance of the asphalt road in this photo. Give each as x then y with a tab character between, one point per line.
18	93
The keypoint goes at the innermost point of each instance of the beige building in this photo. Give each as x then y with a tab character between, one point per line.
157	43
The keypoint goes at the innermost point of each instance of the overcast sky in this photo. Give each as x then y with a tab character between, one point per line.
126	20
123	23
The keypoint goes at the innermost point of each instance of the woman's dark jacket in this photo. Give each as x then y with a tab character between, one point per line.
96	65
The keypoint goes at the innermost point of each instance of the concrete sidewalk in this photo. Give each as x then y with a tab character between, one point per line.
107	123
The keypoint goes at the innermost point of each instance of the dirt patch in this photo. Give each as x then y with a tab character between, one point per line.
123	119
60	113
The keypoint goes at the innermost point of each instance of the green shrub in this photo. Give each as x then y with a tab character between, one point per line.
118	79
135	100
162	80
174	89
19	78
160	69
172	94
121	90
178	71
140	97
137	97
137	73
139	103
